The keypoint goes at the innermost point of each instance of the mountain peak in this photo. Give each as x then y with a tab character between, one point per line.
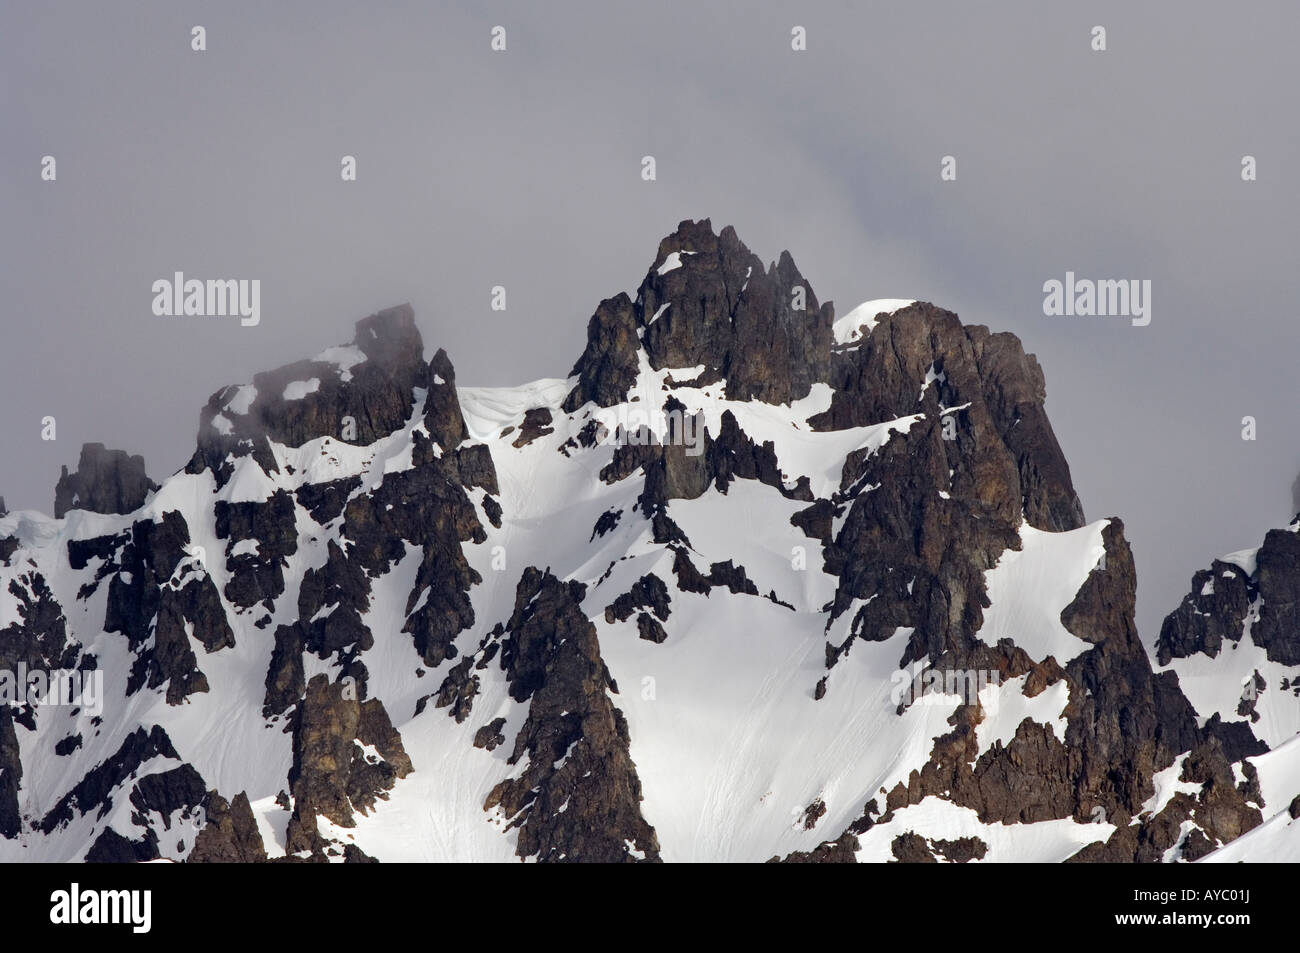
464	600
708	303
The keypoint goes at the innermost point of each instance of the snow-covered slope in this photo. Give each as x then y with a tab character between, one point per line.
749	583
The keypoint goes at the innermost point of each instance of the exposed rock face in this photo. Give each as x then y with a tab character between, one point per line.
285	679
841	851
162	599
426	506
165	792
674	472
1241	613
946	544
11	776
110	847
911	848
442	414
913	560
608	367
1278	575
157	799
257	576
1226	604
536	424
106	481
578	798
1116	708
726	312
160	596
39	637
332	776
333	600
324	735
708	300
649	592
325	501
1003	447
1214	612
231	835
734	455
1218	809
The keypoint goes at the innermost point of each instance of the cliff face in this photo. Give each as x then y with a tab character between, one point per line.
751	583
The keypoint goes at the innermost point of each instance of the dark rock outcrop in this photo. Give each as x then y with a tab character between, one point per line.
160	589
726	312
38	638
1225	603
106	481
11	776
110	847
648	592
578	796
1001	440
165	793
332	776
442	414
840	851
707	300
268	528
608	367
230	835
93	792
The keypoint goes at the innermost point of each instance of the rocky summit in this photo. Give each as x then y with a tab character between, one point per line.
751	583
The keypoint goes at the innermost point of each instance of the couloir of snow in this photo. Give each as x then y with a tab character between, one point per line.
1030	587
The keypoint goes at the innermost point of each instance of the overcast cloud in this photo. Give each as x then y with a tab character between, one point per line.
522	169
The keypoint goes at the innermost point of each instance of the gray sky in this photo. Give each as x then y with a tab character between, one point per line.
522	169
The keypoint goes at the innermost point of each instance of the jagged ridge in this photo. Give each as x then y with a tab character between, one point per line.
592	619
